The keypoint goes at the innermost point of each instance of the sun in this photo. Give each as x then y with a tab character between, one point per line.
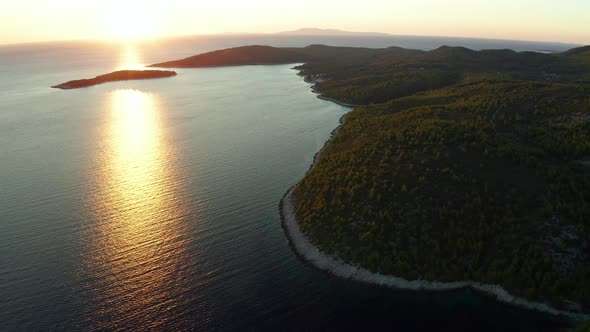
130	20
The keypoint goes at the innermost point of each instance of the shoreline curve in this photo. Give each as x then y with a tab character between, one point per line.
335	266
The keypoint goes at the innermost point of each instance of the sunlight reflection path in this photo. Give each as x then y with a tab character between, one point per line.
139	248
130	58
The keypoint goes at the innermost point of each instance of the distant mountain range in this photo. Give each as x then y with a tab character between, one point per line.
329	32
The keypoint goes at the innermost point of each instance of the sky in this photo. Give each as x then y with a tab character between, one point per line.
23	21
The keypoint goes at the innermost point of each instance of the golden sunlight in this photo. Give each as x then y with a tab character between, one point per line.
130	20
130	58
137	204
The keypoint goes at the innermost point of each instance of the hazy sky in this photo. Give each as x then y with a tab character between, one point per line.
544	20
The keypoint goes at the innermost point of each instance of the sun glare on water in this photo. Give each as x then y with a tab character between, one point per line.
131	20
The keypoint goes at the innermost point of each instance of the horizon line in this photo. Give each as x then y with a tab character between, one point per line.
358	34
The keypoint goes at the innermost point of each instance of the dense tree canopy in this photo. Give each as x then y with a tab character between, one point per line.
460	165
459	171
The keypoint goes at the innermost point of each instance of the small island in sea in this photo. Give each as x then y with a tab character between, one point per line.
458	168
121	75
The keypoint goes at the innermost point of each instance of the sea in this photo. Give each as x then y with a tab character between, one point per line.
153	205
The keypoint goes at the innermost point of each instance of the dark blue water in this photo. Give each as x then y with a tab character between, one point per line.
154	204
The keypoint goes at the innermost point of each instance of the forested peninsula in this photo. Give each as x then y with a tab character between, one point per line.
458	165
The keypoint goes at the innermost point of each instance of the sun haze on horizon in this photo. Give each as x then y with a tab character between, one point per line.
129	20
23	21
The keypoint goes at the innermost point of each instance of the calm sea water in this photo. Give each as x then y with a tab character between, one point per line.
154	204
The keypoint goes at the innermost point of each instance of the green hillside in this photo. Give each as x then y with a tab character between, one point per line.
465	165
460	165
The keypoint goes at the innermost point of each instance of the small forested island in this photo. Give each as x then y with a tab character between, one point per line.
459	165
121	75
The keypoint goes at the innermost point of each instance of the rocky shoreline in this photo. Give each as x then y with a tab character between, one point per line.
335	266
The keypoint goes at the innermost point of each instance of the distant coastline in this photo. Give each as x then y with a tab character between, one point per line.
337	102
